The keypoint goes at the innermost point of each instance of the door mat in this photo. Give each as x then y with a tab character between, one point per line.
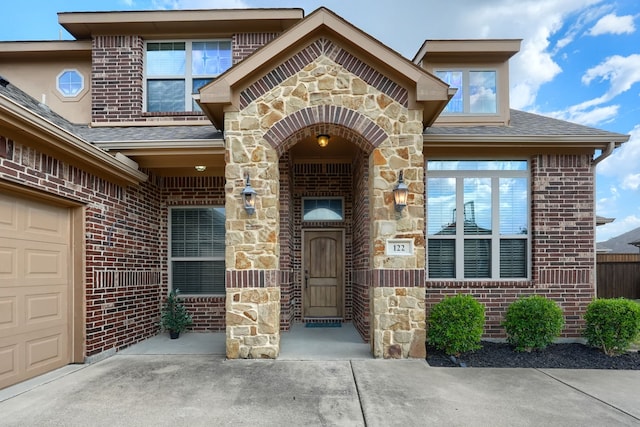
323	325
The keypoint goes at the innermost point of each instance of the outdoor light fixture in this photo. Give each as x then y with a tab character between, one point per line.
323	140
249	198
400	194
201	168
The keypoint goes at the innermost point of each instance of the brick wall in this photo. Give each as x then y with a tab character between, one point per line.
361	247
244	44
208	312
322	180
563	257
123	256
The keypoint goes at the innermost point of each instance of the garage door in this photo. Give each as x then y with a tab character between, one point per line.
34	288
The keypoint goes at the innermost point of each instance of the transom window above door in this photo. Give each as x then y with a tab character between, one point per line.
174	70
322	209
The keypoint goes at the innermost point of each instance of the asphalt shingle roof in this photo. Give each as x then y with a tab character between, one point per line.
149	133
525	124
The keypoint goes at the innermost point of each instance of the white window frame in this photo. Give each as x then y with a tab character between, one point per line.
187	76
495	237
70	70
171	258
466	96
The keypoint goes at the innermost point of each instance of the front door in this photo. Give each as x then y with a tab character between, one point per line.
323	273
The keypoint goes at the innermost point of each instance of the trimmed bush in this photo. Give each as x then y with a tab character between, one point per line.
456	324
533	323
612	324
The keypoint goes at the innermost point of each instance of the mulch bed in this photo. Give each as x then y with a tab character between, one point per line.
565	356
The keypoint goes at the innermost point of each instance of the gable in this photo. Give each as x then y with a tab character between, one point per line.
324	33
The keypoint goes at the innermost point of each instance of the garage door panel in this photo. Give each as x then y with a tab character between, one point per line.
8	312
34	288
45	350
9	358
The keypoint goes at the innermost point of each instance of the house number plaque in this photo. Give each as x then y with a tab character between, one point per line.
400	247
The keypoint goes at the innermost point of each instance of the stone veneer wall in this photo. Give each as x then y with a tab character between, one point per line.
399	322
563	254
322	89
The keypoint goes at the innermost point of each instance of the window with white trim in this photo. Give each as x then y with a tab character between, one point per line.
70	83
477	219
175	70
476	91
196	250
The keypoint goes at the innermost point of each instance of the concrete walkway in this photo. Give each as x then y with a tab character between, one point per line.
138	388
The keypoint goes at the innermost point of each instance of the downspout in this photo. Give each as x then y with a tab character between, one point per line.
606	153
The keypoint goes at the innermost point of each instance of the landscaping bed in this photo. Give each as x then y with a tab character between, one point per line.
565	356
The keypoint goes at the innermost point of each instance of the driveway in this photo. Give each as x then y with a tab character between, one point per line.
206	390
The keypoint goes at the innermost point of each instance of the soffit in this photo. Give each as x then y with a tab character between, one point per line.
485	50
425	91
39	50
174	23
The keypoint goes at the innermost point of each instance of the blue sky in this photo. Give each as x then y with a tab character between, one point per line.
580	60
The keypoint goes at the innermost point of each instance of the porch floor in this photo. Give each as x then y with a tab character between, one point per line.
299	343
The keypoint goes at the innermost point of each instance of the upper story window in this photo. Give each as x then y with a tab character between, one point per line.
70	83
476	91
477	219
176	70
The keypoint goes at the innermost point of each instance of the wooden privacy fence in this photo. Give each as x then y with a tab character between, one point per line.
618	275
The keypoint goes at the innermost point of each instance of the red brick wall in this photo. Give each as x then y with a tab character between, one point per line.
208	312
244	44
361	247
322	180
123	256
563	255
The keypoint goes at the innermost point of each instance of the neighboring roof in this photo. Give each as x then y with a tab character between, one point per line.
601	220
171	23
635	243
525	127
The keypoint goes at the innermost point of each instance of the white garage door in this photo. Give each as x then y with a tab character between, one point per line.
35	287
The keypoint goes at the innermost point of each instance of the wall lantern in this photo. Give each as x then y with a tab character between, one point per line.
249	198
400	194
323	140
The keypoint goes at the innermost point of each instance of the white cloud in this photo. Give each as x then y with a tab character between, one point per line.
587	117
612	24
617	227
624	164
621	72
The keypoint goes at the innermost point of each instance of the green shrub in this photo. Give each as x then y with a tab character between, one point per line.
533	323
612	324
456	324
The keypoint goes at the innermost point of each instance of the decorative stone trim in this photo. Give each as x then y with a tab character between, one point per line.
399	322
336	53
253	323
314	120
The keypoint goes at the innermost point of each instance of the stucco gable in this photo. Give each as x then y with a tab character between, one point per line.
323	32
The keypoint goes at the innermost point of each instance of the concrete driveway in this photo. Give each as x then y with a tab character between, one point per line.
206	390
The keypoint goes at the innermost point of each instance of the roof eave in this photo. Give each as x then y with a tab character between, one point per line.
22	121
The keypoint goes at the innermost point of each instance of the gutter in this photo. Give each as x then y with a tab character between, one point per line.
606	153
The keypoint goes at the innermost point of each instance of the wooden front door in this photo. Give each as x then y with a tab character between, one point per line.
323	273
